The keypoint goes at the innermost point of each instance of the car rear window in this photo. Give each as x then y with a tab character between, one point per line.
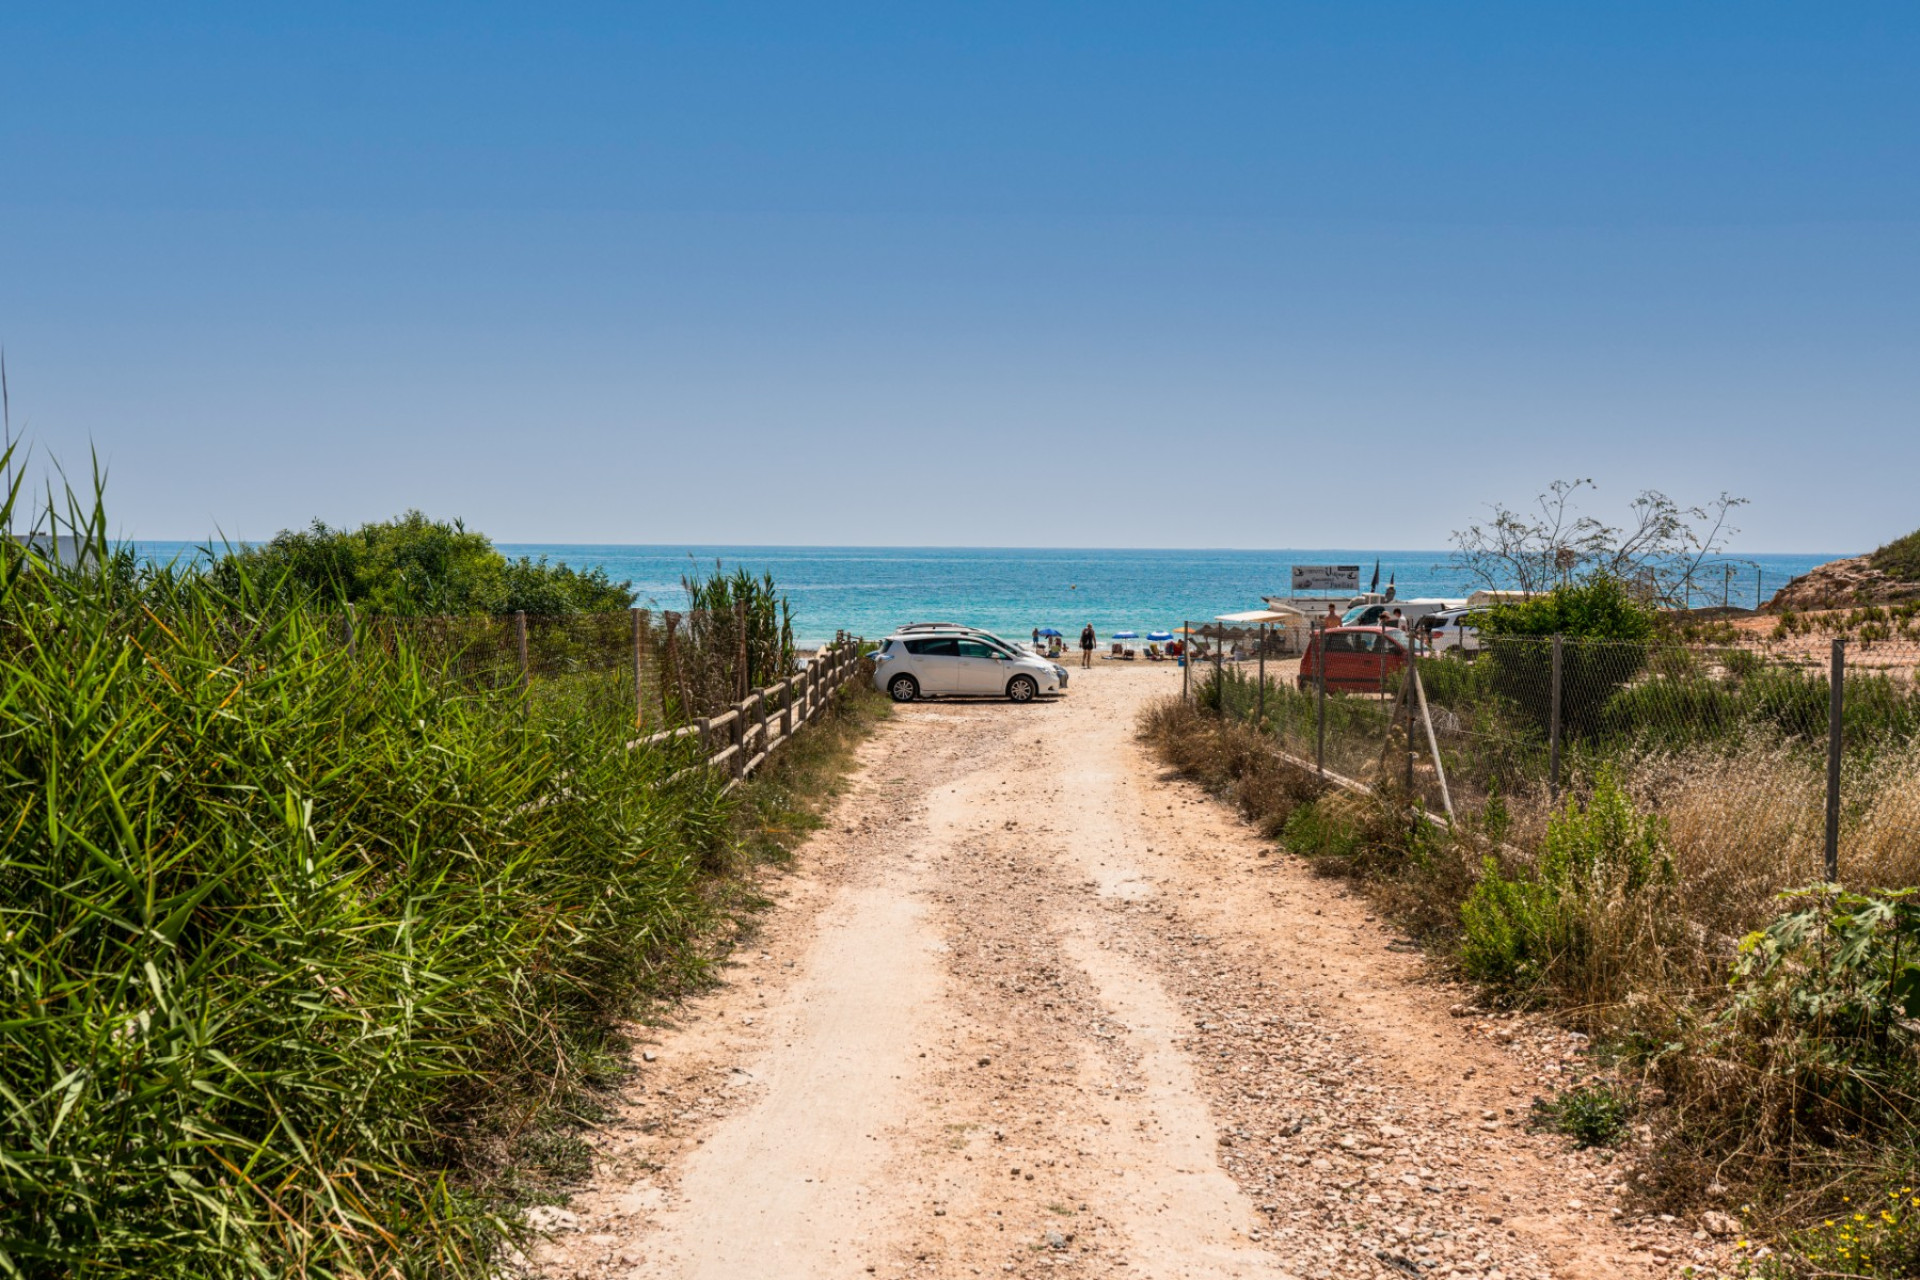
940	647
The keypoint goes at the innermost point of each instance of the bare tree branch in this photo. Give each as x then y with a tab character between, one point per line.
1657	551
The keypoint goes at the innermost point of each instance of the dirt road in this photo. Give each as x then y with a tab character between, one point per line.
1029	1007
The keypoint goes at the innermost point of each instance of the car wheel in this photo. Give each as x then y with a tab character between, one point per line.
903	688
1022	689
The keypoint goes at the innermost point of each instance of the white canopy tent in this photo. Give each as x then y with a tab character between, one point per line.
1289	624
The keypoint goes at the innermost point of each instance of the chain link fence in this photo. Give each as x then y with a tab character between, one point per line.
1758	770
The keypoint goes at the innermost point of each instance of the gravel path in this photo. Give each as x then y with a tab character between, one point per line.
1029	1007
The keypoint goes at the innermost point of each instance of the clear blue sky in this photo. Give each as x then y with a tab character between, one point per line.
1250	275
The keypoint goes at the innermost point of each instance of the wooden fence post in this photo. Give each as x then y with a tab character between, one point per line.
520	638
743	681
639	690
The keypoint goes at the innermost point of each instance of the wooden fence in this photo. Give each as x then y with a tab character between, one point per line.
739	740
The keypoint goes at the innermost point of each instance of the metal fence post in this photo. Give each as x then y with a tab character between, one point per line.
1836	709
1317	645
1553	729
520	640
1758	599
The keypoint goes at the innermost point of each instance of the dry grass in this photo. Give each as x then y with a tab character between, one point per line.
1763	1107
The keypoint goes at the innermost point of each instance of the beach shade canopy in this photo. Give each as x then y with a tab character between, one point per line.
1255	616
1159	637
1049	631
1124	635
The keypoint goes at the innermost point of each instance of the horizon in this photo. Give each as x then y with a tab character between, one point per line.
505	545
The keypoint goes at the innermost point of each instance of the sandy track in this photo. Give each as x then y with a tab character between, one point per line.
1028	1007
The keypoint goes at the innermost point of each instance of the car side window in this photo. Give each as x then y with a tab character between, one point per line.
1340	642
975	649
938	648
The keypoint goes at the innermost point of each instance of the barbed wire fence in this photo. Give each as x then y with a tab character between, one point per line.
1804	758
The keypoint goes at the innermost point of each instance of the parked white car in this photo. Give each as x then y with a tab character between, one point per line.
1451	629
921	663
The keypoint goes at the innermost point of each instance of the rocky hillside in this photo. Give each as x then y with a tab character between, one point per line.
1888	576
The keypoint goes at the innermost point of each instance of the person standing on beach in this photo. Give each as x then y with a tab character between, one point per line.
1086	646
1036	639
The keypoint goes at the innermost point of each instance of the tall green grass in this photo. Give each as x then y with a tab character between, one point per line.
290	944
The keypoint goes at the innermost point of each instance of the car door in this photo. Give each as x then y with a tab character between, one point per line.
981	667
1343	661
936	664
1373	658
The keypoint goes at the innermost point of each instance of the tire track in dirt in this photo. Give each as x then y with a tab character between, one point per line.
1029	1008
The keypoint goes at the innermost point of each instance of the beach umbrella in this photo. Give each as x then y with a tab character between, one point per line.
1124	635
1049	631
1159	637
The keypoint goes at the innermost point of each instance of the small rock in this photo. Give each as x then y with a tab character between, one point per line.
1055	1240
550	1217
1719	1224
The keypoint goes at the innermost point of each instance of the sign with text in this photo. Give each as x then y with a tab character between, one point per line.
1326	577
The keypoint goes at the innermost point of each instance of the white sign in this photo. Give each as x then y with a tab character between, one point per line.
1326	577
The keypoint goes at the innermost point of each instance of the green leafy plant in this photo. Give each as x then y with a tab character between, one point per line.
1846	965
294	941
1592	1115
1561	921
411	566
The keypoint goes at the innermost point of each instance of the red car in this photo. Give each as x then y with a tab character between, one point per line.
1354	659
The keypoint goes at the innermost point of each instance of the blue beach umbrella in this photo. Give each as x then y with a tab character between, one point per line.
1159	637
1124	635
1049	631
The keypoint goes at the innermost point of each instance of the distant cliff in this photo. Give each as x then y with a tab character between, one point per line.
1888	576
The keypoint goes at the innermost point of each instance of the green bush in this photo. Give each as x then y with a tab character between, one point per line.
1568	922
1899	558
1593	1116
1598	608
287	938
412	566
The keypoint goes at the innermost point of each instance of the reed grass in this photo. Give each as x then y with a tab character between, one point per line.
294	945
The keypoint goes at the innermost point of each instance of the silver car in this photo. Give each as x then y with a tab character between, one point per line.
930	663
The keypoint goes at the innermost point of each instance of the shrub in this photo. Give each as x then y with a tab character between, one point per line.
1875	1238
1580	920
411	566
1593	1115
1599	608
1900	558
289	940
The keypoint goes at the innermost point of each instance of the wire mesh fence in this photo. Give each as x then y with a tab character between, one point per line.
1739	746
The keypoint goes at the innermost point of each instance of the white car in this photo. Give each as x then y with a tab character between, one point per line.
1449	629
923	664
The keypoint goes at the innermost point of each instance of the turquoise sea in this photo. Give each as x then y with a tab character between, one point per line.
870	590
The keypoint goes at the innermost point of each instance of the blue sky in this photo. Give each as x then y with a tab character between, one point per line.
1252	275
